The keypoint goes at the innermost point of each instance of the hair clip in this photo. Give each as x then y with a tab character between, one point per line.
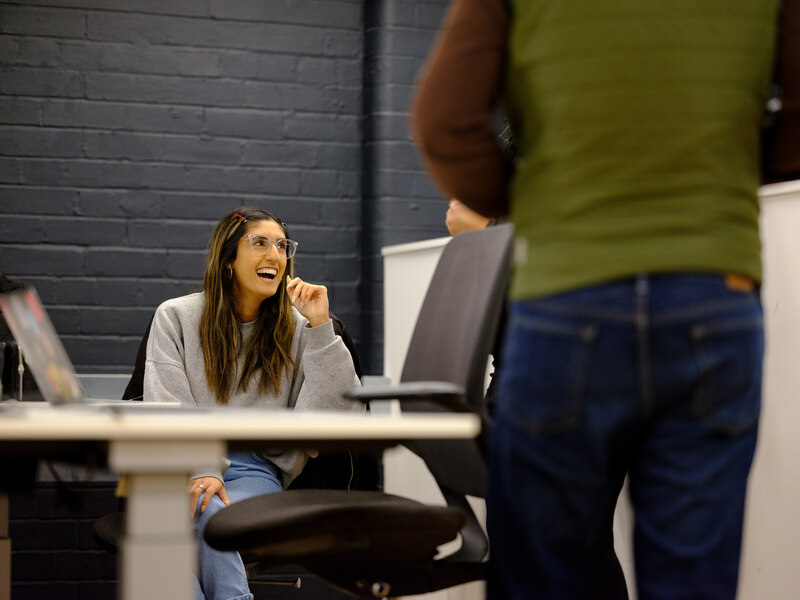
240	217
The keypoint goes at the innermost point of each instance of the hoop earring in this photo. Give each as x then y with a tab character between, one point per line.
230	273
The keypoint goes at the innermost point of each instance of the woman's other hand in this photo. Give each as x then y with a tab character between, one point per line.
459	218
206	487
309	299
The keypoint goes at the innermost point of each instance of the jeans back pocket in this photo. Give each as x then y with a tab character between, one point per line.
729	357
543	373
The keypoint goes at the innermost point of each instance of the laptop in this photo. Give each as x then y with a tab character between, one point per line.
46	357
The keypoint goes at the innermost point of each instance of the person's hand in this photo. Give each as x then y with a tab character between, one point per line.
311	300
206	487
459	218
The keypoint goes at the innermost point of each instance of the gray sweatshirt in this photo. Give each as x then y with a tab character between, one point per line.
175	372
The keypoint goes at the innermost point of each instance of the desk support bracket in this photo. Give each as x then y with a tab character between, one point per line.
159	529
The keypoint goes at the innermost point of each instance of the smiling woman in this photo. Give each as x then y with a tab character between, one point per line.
258	269
255	336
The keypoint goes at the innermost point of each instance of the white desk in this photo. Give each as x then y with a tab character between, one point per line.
158	450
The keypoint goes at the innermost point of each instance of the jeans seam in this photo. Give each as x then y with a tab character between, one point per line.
575	311
704	309
545	326
563	308
733	325
588	336
643	342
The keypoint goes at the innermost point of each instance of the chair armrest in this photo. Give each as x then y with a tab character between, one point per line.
448	395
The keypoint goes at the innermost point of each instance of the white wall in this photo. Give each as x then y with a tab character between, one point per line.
771	556
408	269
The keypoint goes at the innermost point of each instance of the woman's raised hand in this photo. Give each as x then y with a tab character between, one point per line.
309	299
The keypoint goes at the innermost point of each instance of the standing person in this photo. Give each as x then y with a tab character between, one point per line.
257	337
635	337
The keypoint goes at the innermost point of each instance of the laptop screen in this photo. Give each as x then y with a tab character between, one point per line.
41	346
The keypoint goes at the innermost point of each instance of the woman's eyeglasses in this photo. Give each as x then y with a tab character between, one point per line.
261	244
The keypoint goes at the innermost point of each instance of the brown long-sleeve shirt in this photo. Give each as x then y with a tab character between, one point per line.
452	110
462	84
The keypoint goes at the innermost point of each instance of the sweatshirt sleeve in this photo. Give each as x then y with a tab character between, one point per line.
324	372
165	377
452	111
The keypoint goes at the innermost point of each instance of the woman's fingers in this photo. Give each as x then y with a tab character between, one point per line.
209	494
196	489
311	300
206	487
223	496
216	488
294	287
300	291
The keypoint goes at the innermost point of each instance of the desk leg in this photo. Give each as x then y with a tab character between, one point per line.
159	552
5	550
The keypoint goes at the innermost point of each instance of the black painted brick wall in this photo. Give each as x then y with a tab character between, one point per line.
400	204
53	553
128	129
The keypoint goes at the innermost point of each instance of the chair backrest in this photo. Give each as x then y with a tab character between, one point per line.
452	340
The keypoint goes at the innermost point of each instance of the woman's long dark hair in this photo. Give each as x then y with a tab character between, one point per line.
267	353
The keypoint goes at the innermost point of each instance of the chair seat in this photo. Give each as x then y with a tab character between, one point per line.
109	531
333	526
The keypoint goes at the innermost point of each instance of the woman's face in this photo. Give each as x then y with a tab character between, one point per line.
257	277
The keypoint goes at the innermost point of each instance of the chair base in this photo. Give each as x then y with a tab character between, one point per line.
392	580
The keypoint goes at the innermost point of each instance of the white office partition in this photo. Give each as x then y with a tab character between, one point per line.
771	550
771	554
407	272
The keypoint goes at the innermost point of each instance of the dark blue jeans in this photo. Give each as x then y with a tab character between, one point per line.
658	377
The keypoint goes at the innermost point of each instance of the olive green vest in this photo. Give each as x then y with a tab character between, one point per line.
637	123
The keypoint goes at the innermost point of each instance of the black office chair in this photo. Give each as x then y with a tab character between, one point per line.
376	545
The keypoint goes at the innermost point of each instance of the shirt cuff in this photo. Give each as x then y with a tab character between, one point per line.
319	336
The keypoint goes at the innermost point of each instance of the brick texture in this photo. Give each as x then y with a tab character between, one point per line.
128	129
53	552
125	133
399	202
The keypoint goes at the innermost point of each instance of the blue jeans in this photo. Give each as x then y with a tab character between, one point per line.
221	575
658	377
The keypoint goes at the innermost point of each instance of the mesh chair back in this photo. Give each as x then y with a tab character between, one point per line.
452	339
